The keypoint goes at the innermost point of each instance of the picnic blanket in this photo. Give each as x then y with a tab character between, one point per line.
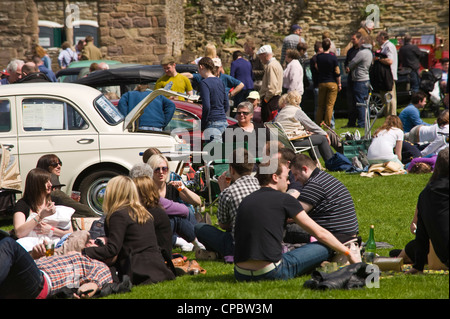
384	169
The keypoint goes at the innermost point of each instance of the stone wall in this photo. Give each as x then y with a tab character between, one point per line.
18	29
141	30
268	21
145	30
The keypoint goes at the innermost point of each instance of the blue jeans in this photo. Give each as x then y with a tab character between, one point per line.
294	263
20	278
181	227
361	92
414	80
214	130
214	239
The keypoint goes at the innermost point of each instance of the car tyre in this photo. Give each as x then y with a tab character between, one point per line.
376	104
93	187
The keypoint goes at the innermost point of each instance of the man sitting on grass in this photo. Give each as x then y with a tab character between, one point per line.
259	227
243	184
326	200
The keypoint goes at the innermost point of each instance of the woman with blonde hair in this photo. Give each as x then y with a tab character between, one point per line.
131	247
42	53
150	199
210	52
387	142
296	123
183	228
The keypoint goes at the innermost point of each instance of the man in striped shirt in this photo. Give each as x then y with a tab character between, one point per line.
326	200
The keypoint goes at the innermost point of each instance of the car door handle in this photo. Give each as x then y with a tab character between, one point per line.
85	141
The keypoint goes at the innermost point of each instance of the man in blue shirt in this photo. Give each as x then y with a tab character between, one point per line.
42	68
241	69
410	116
156	115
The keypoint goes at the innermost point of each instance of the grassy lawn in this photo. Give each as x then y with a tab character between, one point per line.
386	202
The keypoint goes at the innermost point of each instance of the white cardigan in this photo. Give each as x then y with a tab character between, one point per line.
293	77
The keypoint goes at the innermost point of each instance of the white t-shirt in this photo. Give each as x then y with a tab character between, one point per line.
382	146
428	133
439	142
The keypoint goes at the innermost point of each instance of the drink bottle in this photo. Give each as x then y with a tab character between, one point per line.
371	247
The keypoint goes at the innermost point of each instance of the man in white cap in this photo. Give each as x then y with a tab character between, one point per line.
272	83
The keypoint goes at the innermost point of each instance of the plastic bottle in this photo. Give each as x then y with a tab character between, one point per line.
371	247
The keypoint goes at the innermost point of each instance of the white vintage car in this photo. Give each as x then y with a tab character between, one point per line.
82	127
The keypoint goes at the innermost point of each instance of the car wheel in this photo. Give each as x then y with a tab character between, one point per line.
93	187
376	104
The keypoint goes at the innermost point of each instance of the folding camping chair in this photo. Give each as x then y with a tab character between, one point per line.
277	130
215	164
10	182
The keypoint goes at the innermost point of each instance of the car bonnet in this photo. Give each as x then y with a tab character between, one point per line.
138	110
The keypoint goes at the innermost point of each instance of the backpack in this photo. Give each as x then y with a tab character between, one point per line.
339	162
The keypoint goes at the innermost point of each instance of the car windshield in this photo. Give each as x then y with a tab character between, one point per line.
108	111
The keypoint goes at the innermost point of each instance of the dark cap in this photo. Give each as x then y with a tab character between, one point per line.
54	179
295	27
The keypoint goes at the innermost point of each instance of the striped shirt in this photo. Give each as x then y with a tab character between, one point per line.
231	197
72	271
333	206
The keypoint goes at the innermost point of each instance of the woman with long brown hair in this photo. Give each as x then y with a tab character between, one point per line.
131	248
31	210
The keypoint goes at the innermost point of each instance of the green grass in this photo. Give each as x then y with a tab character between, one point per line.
387	202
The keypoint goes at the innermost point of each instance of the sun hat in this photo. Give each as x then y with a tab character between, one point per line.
253	95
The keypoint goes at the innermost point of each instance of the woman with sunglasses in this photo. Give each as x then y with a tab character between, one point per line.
177	192
53	164
245	130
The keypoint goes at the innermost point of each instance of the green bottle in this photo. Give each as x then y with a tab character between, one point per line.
371	247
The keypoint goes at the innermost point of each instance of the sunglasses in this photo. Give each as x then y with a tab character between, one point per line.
243	113
164	169
55	164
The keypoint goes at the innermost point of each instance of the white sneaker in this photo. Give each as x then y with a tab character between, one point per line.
183	244
199	245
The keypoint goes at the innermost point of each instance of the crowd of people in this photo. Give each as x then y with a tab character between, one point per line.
267	230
